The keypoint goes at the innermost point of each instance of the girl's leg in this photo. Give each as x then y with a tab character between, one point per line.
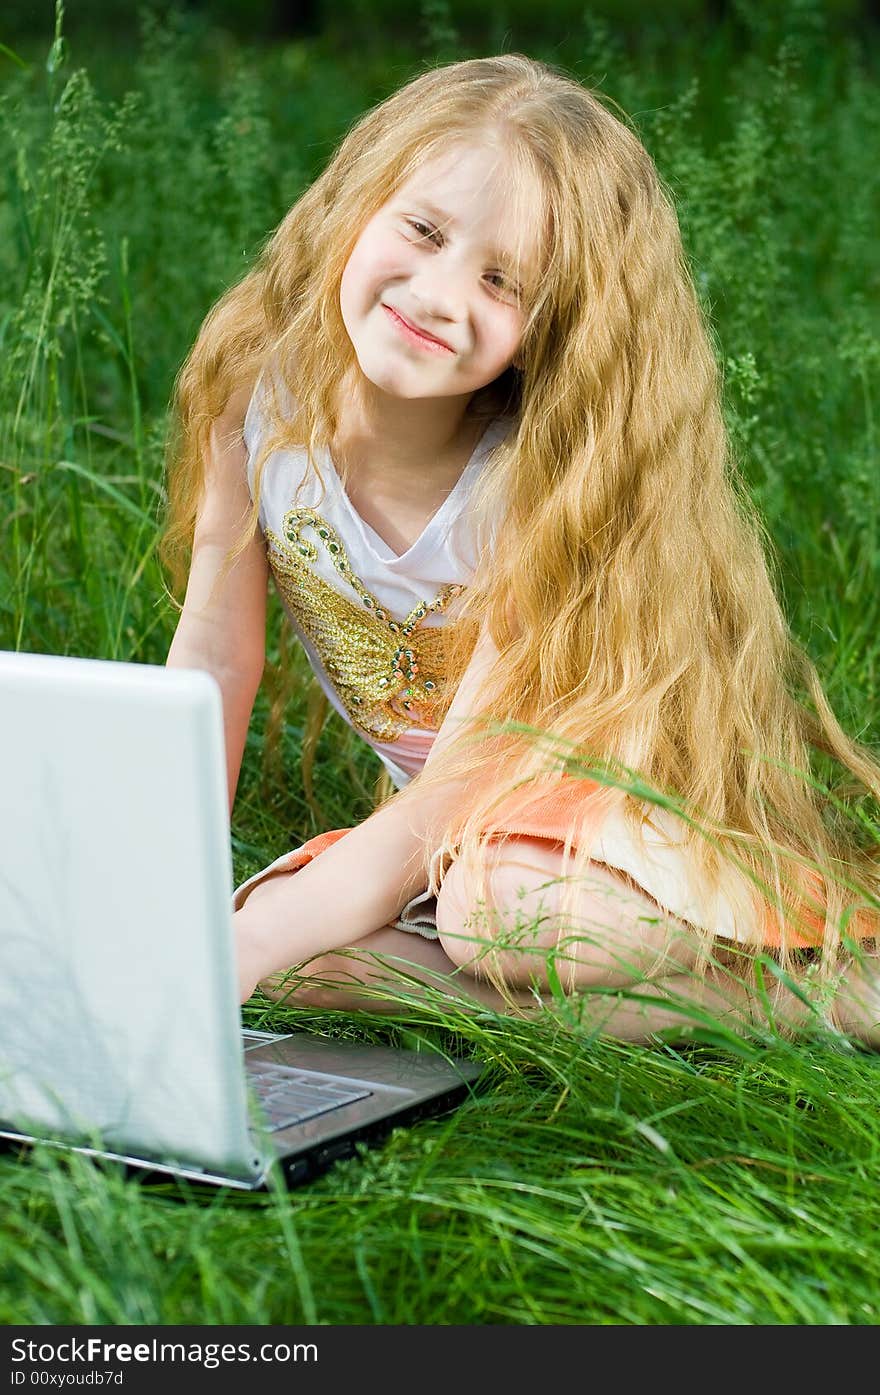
856	1006
383	969
392	962
372	971
395	960
353	978
616	936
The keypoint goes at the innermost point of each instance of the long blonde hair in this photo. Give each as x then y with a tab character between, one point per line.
624	575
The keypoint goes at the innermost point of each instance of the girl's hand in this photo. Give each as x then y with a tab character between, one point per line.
250	969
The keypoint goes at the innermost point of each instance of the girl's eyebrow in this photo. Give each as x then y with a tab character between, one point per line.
437	213
446	220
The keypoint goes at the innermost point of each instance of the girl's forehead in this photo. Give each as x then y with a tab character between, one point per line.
466	170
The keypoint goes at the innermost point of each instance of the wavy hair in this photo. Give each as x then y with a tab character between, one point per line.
625	576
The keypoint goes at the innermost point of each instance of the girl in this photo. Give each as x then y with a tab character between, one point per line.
466	412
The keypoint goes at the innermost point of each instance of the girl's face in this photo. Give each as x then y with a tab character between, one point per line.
431	294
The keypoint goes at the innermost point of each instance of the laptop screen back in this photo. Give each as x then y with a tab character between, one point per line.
118	1005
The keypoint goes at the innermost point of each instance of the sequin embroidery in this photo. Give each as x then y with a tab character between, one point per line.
389	673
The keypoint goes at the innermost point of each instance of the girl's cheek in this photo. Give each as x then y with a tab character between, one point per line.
506	336
380	266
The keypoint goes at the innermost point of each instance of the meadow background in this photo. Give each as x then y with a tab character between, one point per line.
145	155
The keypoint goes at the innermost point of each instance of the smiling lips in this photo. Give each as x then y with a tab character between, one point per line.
416	335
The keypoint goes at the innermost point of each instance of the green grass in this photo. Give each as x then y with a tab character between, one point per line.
587	1181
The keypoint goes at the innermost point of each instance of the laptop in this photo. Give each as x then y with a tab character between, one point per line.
120	1028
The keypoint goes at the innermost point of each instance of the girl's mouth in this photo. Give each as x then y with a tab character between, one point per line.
416	336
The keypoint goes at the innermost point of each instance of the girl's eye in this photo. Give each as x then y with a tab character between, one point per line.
503	286
425	231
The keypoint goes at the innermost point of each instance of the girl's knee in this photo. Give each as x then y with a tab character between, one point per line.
472	928
328	981
522	924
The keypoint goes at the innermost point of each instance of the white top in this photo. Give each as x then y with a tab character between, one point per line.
370	620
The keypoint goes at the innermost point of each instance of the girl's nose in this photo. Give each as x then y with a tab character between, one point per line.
440	290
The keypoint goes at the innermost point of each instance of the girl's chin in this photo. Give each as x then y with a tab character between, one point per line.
407	386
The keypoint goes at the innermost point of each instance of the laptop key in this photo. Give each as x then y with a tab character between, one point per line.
289	1096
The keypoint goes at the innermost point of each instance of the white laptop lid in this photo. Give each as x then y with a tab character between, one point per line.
118	1004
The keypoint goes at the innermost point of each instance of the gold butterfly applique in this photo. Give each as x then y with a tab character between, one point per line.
390	674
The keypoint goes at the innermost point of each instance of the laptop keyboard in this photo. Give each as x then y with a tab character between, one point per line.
290	1096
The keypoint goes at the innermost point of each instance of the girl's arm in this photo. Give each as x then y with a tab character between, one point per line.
482	662
358	884
222	627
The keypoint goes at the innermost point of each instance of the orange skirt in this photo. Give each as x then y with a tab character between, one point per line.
662	868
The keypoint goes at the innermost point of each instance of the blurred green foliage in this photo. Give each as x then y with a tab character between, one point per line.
356	22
